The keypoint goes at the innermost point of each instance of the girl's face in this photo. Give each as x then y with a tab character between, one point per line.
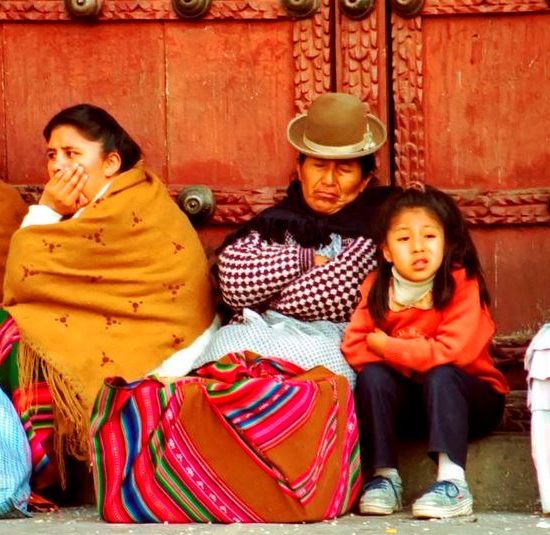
415	244
67	147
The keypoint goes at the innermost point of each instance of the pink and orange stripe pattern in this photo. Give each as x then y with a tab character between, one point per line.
248	439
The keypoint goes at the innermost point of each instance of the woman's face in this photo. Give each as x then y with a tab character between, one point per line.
329	185
67	147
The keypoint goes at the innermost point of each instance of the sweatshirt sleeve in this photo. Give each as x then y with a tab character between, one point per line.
464	331
354	344
252	271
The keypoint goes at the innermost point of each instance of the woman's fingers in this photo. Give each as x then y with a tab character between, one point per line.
70	176
63	193
74	184
64	175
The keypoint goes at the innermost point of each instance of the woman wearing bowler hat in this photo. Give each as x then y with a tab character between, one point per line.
291	277
300	263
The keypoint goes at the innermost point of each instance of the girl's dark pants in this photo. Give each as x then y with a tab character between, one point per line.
446	404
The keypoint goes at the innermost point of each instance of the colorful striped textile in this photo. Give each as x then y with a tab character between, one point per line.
9	335
36	415
35	409
249	439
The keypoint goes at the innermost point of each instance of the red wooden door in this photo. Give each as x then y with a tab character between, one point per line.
461	85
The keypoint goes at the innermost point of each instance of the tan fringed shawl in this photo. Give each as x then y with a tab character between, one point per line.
110	293
12	211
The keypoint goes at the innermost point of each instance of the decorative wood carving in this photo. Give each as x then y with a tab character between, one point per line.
407	8
191	9
512	207
13	10
236	206
527	207
51	10
301	9
407	84
508	355
83	8
360	60
312	57
449	7
30	194
356	9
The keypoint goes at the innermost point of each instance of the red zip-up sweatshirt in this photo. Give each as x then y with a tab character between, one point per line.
420	340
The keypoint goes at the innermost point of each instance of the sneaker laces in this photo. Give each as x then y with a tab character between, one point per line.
380	483
445	487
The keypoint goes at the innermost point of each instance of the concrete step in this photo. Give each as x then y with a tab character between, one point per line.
500	472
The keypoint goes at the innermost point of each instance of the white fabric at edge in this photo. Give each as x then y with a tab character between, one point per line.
306	344
40	214
183	361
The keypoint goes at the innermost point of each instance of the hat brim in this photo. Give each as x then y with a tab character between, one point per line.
295	136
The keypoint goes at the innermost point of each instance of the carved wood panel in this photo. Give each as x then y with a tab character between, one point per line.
235	206
312	57
450	7
361	67
407	86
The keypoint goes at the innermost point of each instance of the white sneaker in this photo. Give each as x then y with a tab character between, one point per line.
444	499
381	496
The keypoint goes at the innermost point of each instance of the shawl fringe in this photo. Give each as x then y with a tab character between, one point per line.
71	420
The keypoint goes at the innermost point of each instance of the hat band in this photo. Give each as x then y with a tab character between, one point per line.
366	143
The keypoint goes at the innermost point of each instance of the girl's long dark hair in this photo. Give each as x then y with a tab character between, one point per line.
460	251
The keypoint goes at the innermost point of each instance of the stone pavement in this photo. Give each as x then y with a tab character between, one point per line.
84	520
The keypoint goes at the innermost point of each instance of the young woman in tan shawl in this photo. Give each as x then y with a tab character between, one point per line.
106	277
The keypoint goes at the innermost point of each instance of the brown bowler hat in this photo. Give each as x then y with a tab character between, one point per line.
337	127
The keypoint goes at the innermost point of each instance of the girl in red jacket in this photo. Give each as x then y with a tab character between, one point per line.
419	340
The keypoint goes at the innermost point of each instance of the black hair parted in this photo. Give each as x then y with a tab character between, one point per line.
95	124
460	251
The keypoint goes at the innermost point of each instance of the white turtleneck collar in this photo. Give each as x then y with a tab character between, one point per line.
407	293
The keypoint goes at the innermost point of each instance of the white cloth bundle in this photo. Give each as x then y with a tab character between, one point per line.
537	364
306	344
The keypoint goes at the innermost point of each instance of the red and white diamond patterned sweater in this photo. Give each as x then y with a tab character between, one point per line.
262	275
